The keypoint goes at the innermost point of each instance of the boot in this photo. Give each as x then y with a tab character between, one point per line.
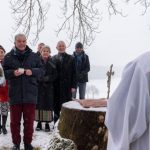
28	147
0	129
16	147
47	128
4	119
39	126
0	125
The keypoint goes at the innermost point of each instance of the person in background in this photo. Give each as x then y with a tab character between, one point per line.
40	45
22	69
44	108
65	82
82	68
4	105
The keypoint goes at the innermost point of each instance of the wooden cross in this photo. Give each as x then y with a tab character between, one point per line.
109	74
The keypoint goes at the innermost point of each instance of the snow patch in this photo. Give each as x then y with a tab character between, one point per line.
76	105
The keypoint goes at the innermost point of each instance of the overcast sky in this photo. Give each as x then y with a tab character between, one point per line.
121	38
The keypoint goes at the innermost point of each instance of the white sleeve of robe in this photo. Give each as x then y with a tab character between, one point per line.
127	117
2	78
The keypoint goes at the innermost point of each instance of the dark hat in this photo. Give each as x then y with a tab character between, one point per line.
79	45
1	47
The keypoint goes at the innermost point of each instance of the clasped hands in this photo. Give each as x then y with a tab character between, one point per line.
21	71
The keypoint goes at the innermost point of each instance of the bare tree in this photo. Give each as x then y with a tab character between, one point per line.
29	16
92	90
81	18
113	10
144	3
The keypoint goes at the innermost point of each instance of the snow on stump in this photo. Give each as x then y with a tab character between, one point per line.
85	126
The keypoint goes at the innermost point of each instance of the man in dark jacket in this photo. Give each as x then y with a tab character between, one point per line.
22	68
65	82
82	68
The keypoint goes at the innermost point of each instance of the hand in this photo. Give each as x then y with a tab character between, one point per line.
73	90
4	84
17	73
28	72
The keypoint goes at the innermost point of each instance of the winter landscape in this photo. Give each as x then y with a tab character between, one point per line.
111	32
41	139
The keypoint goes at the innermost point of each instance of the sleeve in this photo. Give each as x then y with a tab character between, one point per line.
39	70
7	66
51	76
74	74
87	66
127	108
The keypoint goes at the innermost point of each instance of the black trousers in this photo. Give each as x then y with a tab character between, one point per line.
57	109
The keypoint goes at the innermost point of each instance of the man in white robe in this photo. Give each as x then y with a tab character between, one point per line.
128	115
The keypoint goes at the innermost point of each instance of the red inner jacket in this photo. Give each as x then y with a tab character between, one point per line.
4	93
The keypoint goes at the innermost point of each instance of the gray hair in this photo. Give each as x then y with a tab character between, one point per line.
61	42
20	34
46	46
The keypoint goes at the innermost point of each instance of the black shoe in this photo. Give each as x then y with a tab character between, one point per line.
4	130
39	126
0	129
4	119
16	147
47	128
28	147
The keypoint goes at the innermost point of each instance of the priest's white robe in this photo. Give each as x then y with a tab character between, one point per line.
2	78
128	115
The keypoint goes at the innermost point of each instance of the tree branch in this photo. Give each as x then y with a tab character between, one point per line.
27	17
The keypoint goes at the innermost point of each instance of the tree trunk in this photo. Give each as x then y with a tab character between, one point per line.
85	126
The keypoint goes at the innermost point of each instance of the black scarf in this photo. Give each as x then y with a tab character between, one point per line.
22	54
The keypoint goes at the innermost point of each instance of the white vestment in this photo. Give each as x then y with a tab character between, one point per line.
2	78
128	115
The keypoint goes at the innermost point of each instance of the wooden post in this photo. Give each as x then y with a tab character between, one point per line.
109	74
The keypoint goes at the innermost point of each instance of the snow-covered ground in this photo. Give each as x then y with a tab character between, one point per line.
40	138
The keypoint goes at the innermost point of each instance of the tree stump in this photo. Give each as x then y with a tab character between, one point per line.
85	126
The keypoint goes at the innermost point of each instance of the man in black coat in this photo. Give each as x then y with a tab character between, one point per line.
65	82
82	68
22	68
